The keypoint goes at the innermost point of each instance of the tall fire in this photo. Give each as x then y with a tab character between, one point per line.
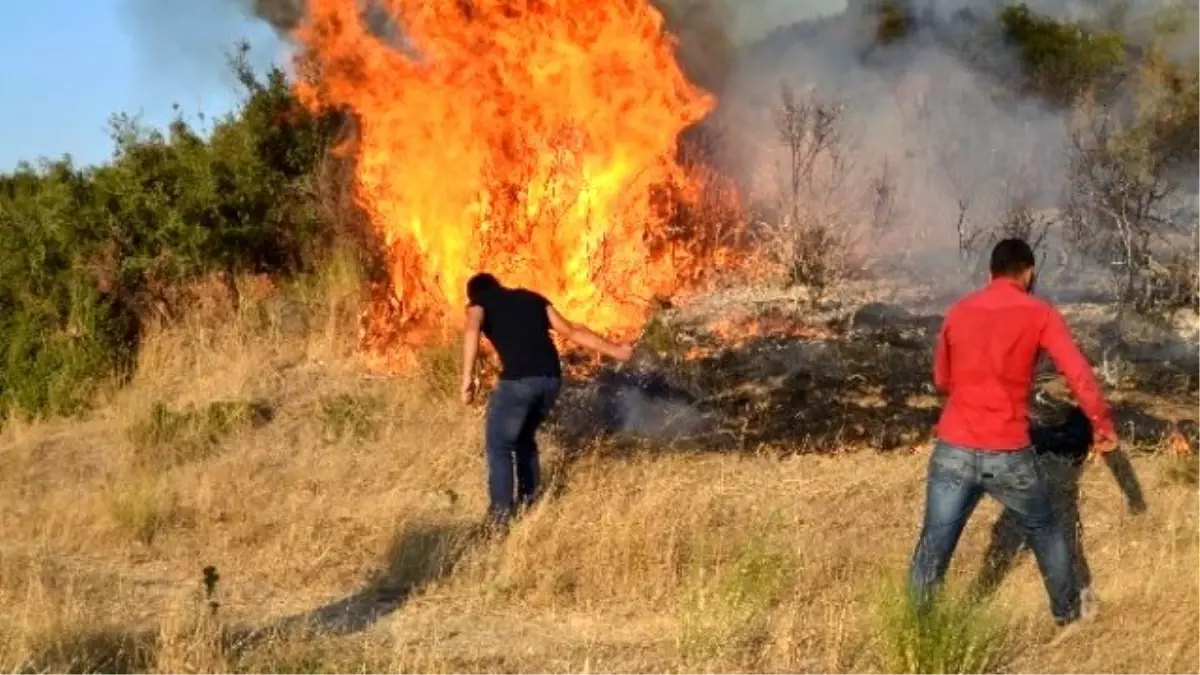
535	139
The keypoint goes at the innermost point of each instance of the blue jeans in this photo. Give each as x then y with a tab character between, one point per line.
958	478
515	411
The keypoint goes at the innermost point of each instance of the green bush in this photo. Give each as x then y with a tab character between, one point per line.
1062	59
1185	470
893	24
143	508
88	255
727	611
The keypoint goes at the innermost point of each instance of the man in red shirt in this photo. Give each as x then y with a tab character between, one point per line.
984	362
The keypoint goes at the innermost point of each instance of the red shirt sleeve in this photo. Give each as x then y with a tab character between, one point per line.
1057	341
941	359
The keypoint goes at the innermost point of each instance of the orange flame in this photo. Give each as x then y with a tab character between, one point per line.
535	139
1177	443
735	330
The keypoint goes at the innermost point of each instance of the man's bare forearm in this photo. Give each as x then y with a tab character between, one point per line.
470	352
584	337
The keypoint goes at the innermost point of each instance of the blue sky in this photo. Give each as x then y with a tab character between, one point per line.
70	64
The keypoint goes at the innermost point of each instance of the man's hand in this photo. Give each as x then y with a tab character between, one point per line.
467	392
1104	445
623	353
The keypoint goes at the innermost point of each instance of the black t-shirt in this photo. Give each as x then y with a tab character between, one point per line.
515	322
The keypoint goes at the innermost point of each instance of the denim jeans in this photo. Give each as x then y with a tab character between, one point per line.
1008	536
958	478
515	411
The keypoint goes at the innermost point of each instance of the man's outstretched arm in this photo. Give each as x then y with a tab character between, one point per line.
1057	341
470	351
584	337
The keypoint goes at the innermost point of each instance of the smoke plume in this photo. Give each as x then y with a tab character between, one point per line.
182	41
933	109
632	403
283	15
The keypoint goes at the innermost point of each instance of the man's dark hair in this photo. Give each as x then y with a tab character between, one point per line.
479	284
1011	257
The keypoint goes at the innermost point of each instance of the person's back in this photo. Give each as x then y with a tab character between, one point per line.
994	336
985	363
516	323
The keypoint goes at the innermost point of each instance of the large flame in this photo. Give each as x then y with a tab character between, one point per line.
535	139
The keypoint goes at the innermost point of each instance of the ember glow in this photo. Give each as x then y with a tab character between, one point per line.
535	139
734	331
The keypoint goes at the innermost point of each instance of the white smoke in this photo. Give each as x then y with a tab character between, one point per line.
640	415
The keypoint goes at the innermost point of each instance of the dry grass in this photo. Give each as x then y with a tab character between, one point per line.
368	489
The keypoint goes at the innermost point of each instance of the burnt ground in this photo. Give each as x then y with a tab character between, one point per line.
848	376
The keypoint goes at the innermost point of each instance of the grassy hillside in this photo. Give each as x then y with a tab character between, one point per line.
248	440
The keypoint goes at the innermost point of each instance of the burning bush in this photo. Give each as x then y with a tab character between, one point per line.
535	141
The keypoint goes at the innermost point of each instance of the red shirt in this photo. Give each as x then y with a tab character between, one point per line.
985	358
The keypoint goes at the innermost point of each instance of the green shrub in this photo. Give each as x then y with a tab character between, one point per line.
660	338
1062	59
142	508
893	24
1185	470
949	635
441	371
78	650
88	255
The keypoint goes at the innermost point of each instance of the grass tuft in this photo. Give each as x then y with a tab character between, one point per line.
142	508
727	610
1185	470
70	650
351	416
165	438
948	635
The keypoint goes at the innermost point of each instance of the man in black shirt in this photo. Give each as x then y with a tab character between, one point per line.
1062	451
518	322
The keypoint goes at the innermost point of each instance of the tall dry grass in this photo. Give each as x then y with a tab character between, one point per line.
368	490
